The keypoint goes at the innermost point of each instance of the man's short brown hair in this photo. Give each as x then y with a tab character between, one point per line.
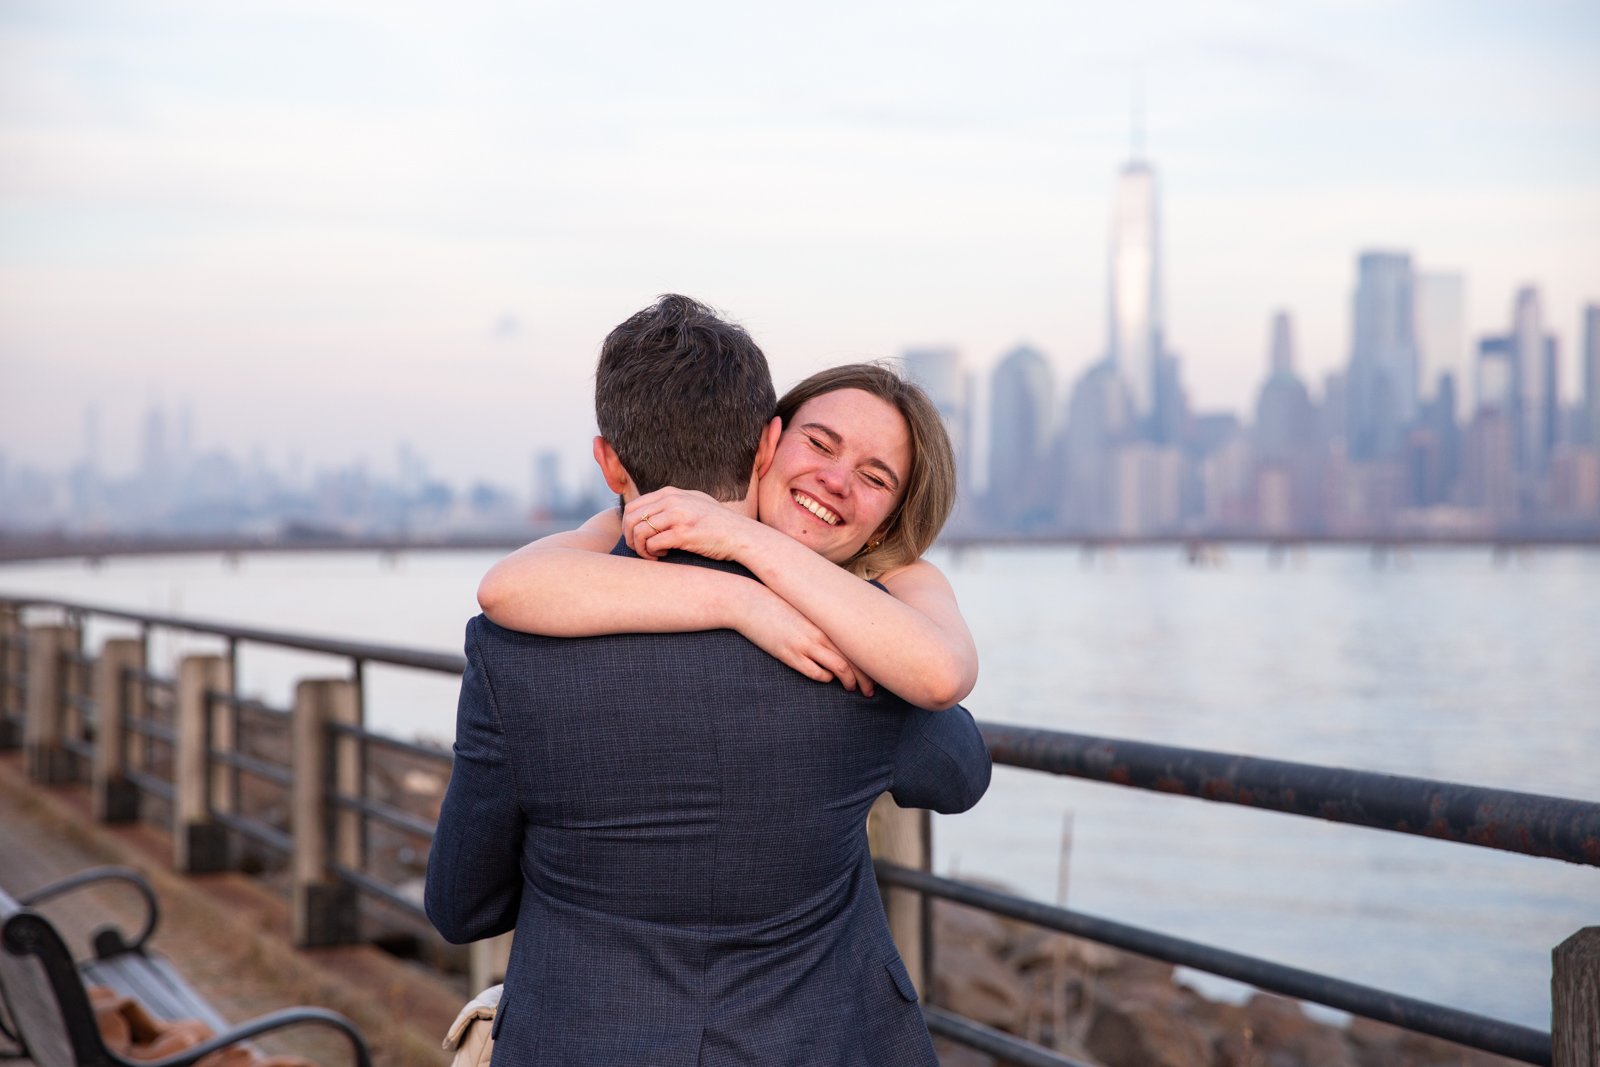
682	396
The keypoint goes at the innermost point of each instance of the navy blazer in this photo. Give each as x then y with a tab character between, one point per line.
675	826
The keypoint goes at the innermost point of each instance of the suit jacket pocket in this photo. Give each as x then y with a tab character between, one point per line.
902	979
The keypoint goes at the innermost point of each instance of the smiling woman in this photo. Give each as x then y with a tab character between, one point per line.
859	485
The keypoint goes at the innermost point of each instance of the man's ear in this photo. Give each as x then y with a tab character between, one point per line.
768	448
617	478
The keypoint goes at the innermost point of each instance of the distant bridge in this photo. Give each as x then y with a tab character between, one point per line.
1198	547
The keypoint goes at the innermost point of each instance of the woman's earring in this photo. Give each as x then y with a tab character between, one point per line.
872	544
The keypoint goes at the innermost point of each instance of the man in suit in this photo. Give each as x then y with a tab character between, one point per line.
674	824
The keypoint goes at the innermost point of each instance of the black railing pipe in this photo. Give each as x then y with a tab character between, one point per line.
1534	825
1477	1031
996	1043
391	654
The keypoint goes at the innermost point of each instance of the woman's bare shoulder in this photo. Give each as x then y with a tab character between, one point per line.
918	573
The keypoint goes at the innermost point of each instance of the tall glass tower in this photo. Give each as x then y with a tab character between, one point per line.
1533	384
1591	370
1134	347
1021	399
1383	355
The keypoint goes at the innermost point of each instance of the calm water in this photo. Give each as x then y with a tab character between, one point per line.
1445	665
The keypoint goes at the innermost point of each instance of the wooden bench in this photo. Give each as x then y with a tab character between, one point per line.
46	1009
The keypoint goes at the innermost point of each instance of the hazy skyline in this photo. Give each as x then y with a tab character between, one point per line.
330	227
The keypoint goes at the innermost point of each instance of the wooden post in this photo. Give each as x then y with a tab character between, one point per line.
902	836
1575	1000
137	747
487	962
48	759
324	908
222	723
72	694
12	664
117	699
200	843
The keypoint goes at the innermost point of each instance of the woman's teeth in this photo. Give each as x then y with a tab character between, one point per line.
816	509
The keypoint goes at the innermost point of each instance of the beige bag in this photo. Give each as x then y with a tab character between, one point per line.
471	1034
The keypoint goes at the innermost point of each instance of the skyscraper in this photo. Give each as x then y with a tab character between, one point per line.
938	371
1286	477
1134	340
1285	421
1531	384
1021	396
1495	378
1591	370
1383	355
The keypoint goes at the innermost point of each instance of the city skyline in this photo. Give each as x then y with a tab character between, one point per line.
370	225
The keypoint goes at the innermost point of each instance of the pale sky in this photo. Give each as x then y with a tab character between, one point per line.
333	225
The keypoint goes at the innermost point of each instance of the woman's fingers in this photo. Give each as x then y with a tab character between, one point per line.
806	665
644	533
699	524
827	654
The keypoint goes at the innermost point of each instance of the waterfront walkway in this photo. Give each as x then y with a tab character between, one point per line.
227	933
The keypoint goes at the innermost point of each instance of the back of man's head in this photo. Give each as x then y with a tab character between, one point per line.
682	396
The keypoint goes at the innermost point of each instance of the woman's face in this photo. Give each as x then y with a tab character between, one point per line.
838	473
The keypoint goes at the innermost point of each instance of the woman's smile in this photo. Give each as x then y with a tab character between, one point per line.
816	508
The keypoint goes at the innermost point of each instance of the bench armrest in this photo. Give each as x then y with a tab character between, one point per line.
108	941
275	1021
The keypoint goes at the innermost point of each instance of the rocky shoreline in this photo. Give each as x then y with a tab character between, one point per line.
1108	1008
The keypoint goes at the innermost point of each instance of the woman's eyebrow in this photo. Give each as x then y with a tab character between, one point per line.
826	431
888	472
836	440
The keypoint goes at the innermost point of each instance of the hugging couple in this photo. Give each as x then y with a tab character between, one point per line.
674	719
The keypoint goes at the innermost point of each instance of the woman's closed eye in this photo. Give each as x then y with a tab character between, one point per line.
820	445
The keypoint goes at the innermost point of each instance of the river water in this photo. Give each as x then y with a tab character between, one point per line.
1443	663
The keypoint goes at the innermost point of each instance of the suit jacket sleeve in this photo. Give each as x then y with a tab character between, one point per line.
941	761
474	884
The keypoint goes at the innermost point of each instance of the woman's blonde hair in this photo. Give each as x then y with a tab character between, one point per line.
930	486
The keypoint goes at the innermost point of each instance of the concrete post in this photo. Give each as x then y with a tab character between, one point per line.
200	843
324	908
117	700
48	759
1575	1000
903	836
13	665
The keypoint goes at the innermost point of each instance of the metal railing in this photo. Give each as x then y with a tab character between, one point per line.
149	716
150	731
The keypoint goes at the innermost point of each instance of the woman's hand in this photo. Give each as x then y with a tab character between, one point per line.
771	624
689	520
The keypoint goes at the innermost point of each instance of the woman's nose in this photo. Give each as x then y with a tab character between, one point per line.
834	478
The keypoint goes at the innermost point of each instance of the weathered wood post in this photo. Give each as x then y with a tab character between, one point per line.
487	961
903	836
12	669
48	759
117	699
324	908
200	842
1575	1000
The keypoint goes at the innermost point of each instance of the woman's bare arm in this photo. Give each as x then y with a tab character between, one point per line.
911	640
569	585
